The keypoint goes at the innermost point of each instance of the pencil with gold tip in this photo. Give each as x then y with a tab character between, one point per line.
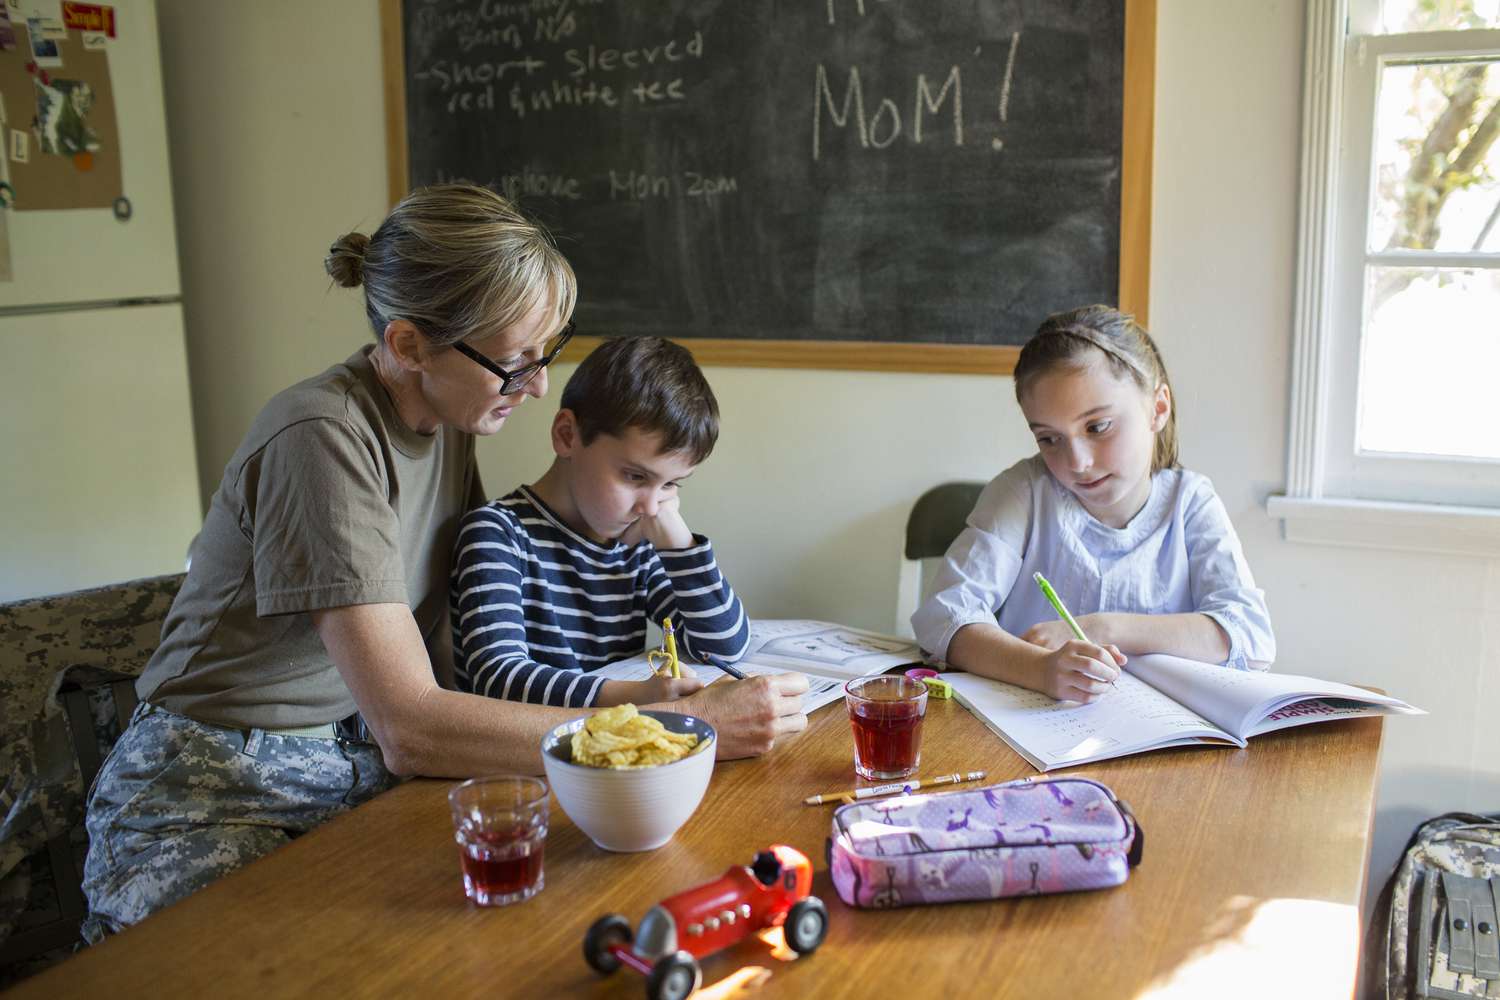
894	788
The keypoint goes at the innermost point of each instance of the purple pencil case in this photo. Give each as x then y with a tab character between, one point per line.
1022	838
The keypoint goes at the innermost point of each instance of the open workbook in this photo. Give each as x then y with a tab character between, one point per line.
828	654
1161	701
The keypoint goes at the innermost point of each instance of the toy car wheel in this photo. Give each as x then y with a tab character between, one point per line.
806	925
673	978
607	930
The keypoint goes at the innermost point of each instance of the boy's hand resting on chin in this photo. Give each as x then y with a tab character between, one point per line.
665	529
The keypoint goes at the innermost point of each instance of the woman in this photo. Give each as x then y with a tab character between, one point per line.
297	672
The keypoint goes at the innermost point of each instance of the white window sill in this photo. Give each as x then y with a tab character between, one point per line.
1382	524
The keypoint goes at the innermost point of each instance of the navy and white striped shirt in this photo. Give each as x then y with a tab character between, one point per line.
537	607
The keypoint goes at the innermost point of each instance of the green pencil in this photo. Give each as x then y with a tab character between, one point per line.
1062	612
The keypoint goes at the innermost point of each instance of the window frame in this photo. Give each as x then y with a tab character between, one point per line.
1327	476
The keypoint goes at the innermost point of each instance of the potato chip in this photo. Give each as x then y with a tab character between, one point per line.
621	737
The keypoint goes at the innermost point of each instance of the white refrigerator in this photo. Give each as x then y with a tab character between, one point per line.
98	472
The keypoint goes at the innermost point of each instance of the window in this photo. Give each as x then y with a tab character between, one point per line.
1397	364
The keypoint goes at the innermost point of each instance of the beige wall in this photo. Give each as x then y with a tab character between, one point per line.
275	121
278	148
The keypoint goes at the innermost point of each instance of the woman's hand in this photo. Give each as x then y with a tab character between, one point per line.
752	714
1079	671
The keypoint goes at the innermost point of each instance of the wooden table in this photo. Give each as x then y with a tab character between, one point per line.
1250	886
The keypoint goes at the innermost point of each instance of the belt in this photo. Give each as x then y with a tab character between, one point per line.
323	732
351	729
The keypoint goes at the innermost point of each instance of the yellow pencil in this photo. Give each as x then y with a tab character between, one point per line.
669	640
894	788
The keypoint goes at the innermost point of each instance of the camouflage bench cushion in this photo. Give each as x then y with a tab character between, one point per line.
85	638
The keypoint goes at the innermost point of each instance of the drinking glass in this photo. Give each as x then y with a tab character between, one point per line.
886	715
500	824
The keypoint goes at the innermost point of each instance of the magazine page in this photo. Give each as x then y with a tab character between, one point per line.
1052	734
1242	701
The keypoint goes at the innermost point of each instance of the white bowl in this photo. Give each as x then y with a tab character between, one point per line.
637	809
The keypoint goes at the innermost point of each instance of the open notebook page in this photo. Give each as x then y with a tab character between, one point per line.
820	690
1052	734
828	654
1250	702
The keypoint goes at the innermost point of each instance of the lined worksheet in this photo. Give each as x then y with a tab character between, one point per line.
1161	701
1129	718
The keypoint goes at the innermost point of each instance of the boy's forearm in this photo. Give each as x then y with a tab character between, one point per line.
989	650
1191	635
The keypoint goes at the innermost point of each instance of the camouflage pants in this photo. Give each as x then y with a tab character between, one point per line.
180	803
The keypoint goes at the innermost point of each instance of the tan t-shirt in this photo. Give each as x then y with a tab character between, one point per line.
330	501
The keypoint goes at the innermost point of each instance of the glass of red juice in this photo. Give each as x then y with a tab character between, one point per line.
886	714
500	824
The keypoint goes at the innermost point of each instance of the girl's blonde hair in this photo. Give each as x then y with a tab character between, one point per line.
455	260
1072	338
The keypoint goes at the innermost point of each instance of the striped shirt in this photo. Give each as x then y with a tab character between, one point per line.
537	607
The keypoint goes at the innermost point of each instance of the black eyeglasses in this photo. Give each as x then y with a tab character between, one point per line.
513	382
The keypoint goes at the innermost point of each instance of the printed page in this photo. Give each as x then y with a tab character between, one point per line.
820	690
1301	713
1240	701
1052	734
827	649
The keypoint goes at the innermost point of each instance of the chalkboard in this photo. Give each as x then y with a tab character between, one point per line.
855	173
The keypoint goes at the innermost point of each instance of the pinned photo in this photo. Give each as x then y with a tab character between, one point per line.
48	27
44	50
62	110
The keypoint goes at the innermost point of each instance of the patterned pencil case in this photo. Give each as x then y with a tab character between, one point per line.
1022	838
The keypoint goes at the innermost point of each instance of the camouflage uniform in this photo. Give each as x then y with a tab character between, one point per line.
181	803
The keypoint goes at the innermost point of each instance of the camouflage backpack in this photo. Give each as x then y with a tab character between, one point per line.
1434	932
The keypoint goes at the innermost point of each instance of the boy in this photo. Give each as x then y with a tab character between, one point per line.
559	578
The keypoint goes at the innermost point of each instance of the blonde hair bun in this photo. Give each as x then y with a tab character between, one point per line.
345	262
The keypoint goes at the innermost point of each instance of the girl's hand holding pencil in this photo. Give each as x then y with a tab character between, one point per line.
1075	669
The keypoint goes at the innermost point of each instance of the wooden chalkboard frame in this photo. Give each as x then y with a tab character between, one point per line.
1135	227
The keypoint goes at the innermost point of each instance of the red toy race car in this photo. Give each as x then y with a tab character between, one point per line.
675	933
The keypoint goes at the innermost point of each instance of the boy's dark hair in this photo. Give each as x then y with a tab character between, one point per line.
648	383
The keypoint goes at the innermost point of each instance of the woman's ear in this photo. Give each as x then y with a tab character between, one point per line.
1161	407
406	345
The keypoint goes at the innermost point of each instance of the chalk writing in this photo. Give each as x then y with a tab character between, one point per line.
883	127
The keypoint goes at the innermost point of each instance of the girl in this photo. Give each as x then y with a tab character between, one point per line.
1139	549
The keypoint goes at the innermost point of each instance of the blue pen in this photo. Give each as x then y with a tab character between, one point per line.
735	672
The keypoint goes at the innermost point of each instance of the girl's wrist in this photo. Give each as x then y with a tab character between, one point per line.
1032	670
1100	628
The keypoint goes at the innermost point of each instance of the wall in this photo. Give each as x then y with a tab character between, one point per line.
807	492
277	144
